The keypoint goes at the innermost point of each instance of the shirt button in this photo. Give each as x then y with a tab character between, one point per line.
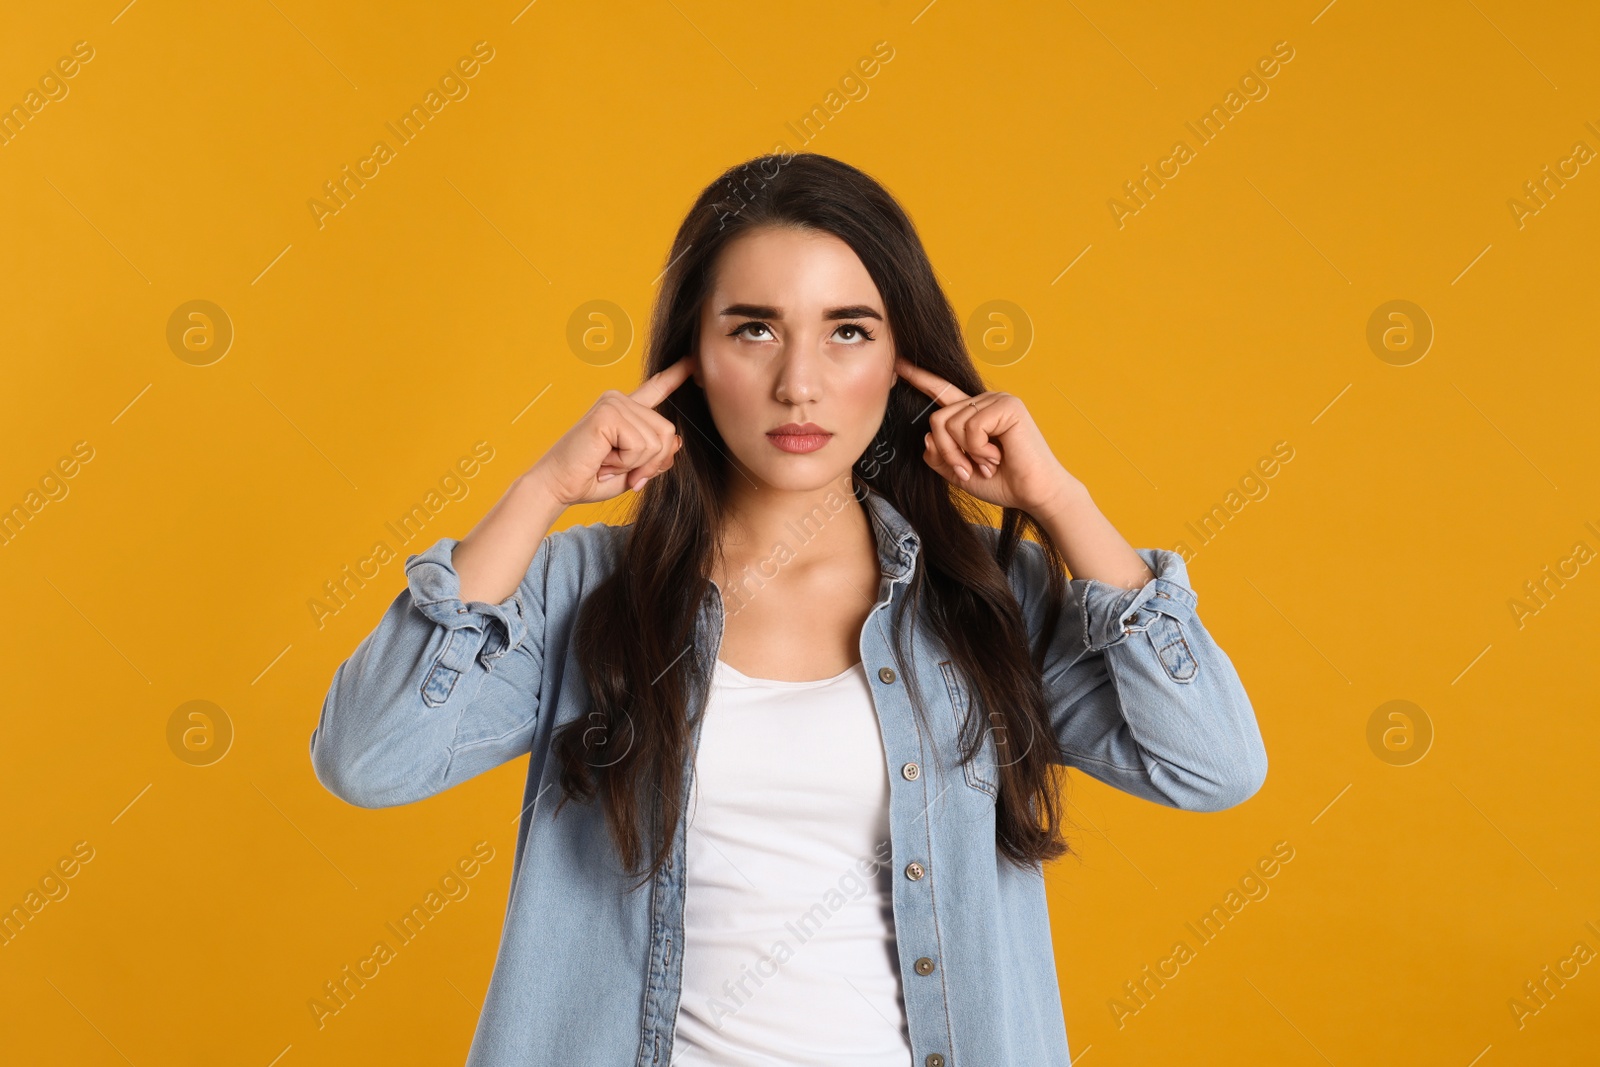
923	966
886	674
911	771
915	871
934	1060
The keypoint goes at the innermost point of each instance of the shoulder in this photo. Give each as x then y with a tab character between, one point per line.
589	538
1029	565
576	559
1026	551
1027	569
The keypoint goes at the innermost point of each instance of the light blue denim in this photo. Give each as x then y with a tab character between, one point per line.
1139	695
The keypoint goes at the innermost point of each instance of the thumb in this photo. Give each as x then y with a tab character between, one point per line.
935	459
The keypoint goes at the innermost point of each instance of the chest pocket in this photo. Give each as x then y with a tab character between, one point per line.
980	773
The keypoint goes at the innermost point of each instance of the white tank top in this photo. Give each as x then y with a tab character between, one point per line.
789	953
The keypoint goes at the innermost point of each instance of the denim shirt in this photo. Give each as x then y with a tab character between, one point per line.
588	973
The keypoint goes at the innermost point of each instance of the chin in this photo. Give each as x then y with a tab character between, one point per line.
799	474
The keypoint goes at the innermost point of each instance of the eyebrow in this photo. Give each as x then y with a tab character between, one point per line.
764	311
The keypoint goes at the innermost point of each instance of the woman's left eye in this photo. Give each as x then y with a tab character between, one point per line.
860	330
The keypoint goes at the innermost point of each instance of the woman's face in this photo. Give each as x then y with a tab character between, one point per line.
794	332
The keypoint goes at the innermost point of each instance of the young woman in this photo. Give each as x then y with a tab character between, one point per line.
796	730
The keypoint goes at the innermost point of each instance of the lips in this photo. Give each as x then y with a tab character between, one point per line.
799	436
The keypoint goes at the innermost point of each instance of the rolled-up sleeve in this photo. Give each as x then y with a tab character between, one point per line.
440	691
1140	695
436	592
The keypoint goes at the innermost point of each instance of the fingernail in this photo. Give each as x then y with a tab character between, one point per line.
603	477
965	474
986	469
641	483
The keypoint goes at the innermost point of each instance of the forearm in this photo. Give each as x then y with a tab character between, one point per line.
1091	546
495	556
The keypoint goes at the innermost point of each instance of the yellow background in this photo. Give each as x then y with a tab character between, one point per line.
1230	313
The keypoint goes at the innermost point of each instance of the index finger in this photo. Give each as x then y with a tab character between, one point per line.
656	388
943	393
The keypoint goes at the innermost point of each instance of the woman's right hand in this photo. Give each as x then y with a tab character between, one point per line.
618	444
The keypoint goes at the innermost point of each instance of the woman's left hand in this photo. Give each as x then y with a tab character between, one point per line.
989	445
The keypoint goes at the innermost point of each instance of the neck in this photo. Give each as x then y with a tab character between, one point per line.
809	526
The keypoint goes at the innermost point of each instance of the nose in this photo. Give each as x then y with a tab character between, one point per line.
798	379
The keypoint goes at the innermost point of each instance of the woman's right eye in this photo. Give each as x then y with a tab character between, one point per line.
739	331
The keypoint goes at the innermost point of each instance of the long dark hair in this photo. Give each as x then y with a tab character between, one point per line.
635	631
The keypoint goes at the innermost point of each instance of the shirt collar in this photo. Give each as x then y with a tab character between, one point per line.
898	543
